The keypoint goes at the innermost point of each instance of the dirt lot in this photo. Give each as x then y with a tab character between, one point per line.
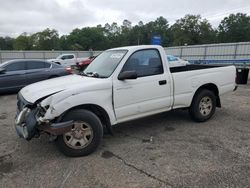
166	150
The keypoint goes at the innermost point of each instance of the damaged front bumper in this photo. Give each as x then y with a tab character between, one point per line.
21	122
28	124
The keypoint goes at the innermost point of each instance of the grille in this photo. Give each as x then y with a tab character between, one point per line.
21	102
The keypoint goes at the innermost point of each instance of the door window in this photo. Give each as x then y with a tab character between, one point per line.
67	57
145	63
16	66
35	65
70	56
47	65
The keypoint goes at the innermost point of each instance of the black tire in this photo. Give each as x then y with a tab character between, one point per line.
54	76
97	133
201	114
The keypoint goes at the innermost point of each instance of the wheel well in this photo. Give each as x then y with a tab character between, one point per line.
53	76
214	89
98	111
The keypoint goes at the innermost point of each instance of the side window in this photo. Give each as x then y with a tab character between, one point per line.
35	65
145	63
47	65
70	56
16	66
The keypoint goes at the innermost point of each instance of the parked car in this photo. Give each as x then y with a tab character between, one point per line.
67	60
176	61
84	63
16	74
120	85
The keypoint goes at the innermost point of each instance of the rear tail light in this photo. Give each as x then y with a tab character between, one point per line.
69	70
81	63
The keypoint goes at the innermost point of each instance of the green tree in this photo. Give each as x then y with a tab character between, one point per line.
87	38
158	27
234	28
22	42
6	43
47	39
192	29
63	42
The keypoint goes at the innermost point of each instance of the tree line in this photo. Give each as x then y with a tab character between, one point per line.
189	30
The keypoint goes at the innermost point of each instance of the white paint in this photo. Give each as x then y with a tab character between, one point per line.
64	60
129	99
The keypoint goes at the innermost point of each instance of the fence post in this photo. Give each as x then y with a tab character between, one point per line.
235	50
1	61
181	52
205	53
44	55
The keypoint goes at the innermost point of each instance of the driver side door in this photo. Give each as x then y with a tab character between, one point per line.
149	93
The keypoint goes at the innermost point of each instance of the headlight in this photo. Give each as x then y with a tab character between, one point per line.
22	116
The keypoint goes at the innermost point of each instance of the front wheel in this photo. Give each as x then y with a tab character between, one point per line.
85	135
203	105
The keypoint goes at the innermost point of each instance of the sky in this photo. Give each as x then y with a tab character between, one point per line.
18	16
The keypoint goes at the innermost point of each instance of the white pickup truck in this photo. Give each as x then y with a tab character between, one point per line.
121	84
67	60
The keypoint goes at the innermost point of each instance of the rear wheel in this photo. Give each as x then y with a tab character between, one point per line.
203	105
85	135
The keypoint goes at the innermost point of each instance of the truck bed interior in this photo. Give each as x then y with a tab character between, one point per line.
192	67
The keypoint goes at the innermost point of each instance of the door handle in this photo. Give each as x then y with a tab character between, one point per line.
162	82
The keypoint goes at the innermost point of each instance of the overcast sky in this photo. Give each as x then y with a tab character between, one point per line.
18	16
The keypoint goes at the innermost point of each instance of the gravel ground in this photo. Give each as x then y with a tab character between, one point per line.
165	150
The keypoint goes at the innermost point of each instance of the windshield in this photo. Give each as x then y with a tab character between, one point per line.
105	64
59	57
2	65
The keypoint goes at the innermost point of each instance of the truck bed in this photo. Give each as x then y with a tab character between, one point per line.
187	79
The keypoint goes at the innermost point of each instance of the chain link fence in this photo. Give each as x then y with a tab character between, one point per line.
223	53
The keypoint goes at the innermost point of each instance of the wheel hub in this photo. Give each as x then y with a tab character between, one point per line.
80	136
205	106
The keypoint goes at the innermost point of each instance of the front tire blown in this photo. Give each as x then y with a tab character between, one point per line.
85	136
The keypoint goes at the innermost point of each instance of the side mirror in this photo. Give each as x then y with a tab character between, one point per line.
127	75
2	70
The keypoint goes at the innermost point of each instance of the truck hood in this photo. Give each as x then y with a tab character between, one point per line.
70	83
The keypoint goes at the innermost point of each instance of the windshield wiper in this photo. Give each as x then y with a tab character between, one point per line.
83	74
92	74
